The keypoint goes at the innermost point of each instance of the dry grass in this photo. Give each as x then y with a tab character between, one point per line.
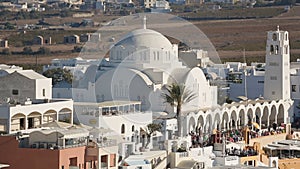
229	37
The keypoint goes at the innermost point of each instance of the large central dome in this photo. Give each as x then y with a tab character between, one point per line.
145	38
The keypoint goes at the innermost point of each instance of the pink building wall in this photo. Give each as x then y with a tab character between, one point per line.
29	158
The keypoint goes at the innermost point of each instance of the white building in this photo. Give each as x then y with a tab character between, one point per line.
7	69
26	102
140	66
21	85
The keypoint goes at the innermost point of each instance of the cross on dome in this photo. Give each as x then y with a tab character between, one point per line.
145	23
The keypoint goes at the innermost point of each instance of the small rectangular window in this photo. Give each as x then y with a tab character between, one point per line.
44	92
273	77
15	92
293	88
260	81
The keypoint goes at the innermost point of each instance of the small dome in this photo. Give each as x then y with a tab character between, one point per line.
145	38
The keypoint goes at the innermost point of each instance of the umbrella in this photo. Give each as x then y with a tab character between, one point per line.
256	125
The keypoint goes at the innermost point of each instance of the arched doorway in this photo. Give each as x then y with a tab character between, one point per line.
200	124
280	116
272	118
264	118
249	116
217	121
242	118
65	115
18	122
49	116
258	116
34	119
192	125
224	124
233	120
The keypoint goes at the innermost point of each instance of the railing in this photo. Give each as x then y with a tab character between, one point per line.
183	154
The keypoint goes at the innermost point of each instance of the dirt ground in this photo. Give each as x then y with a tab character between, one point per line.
230	38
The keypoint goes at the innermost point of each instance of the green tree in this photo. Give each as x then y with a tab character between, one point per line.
6	51
9	26
177	95
59	75
27	50
44	51
151	128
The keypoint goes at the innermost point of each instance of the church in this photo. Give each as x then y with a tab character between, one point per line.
144	62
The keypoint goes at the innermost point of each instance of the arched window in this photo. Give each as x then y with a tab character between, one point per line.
132	128
123	129
286	36
271	49
286	49
276	50
274	37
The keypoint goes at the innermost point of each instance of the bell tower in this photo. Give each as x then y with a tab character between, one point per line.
277	73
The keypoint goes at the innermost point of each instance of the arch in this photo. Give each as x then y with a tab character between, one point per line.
65	115
18	122
224	121
34	119
49	116
258	116
272	49
200	122
274	37
192	125
208	122
242	118
123	129
233	120
280	115
274	163
272	117
249	116
217	121
264	118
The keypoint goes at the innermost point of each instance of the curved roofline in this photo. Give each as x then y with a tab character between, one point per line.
147	80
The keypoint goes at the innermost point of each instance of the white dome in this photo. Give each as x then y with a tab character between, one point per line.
145	38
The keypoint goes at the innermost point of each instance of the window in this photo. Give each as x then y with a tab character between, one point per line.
271	49
44	92
273	77
260	81
286	49
132	128
276	50
113	159
274	37
123	129
15	92
273	93
293	88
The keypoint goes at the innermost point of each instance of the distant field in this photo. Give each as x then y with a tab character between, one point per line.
230	37
236	13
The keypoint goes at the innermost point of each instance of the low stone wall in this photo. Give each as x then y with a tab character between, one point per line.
264	140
